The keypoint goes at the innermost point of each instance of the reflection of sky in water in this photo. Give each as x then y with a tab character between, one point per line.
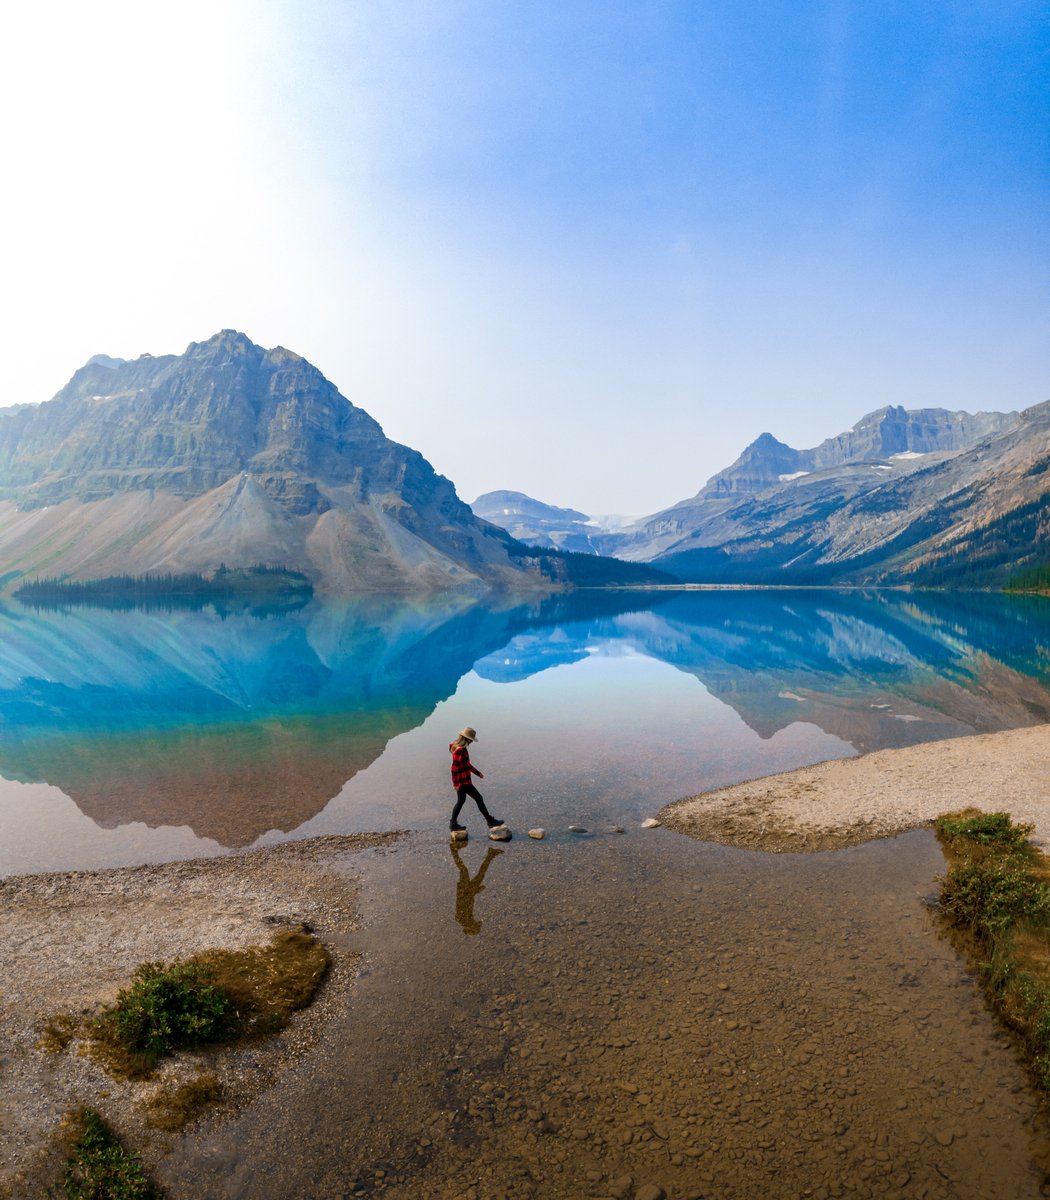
604	740
168	736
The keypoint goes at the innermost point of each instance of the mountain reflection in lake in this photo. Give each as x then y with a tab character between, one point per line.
127	736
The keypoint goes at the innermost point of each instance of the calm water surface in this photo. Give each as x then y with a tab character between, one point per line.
545	1020
134	736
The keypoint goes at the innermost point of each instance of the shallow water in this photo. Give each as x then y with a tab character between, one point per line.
720	1023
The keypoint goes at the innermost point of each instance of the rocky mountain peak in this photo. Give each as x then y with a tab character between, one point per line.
896	430
761	464
765	443
232	453
230	339
187	423
536	523
506	503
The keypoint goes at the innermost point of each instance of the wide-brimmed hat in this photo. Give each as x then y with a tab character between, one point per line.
469	734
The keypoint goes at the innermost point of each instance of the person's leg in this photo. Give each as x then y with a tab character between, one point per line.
461	795
490	820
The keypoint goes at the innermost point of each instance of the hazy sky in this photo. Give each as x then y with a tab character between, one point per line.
585	250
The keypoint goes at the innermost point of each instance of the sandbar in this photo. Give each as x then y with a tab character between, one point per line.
847	801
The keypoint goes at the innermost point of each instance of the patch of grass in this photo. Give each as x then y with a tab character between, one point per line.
991	896
269	983
995	899
173	1108
165	1009
986	829
57	1033
215	997
99	1167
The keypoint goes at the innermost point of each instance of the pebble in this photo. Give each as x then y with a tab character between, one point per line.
650	1191
651	823
577	829
616	829
538	834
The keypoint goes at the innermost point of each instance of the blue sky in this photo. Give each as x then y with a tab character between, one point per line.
584	250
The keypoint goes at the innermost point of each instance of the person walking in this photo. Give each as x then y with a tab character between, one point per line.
462	769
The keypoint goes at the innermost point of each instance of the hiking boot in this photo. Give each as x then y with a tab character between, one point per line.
457	829
496	822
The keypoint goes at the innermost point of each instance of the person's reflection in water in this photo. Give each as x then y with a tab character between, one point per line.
467	889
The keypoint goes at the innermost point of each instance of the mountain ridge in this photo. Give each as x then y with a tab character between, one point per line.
924	497
233	454
535	523
943	518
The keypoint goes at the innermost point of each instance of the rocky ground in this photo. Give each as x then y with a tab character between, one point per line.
842	803
69	941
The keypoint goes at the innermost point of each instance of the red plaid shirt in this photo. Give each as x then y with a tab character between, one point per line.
462	767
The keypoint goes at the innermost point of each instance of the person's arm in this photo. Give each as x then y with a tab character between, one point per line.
476	771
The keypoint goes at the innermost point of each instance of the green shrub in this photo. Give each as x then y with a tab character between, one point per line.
992	895
987	829
99	1168
165	1009
996	897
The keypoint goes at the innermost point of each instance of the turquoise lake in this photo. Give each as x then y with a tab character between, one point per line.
134	736
788	1024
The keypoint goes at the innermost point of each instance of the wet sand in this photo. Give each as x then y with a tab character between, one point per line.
843	803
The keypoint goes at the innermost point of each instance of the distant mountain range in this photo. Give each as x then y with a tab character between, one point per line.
233	455
928	497
538	524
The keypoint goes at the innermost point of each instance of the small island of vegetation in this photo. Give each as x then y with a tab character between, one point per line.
272	588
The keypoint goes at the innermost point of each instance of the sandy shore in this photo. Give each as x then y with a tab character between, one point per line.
841	803
70	940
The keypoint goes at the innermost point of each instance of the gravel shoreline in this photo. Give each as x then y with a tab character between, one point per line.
841	803
70	940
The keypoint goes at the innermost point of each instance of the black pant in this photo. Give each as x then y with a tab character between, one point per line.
461	795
